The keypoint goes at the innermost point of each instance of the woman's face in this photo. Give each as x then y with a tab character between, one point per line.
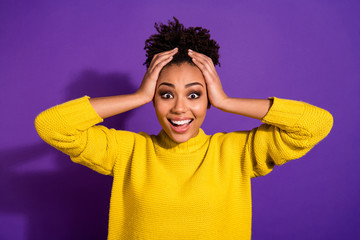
181	101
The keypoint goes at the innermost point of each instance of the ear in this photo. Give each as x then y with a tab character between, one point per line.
209	104
153	100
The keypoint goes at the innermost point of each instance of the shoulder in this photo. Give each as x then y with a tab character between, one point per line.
132	136
235	137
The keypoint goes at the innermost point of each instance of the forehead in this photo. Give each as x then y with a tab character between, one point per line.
181	74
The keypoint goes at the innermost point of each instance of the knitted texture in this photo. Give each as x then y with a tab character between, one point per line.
199	189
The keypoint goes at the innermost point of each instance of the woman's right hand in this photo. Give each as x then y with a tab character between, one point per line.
148	84
113	105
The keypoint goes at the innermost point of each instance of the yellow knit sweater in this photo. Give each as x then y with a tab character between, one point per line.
194	190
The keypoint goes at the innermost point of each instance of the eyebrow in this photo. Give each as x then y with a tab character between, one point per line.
186	86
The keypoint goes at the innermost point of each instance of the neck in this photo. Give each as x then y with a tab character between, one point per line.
192	145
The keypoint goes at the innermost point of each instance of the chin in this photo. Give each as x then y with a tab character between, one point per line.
180	138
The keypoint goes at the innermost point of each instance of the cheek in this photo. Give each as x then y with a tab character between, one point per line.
160	107
200	108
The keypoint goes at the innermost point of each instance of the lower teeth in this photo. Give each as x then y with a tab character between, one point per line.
179	125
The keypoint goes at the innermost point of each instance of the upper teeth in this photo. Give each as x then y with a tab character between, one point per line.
182	122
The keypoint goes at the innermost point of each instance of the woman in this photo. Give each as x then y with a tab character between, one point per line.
182	183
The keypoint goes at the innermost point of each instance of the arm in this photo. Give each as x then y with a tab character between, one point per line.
110	106
290	129
254	108
70	127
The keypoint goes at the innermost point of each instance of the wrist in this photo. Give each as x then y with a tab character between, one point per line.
221	102
142	97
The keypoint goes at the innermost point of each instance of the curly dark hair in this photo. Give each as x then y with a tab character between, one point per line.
176	35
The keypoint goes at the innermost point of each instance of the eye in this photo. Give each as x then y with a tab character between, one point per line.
166	95
194	95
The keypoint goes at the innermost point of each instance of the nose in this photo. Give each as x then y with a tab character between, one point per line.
179	106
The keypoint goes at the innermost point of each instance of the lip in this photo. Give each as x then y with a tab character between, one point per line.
180	118
183	128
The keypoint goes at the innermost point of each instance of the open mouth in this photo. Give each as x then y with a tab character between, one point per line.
180	123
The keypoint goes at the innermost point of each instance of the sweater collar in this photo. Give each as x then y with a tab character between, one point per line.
164	142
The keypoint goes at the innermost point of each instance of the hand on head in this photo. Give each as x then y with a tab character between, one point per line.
148	84
215	91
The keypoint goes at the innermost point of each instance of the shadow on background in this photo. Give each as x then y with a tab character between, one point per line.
70	201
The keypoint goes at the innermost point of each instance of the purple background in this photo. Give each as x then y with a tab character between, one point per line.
53	51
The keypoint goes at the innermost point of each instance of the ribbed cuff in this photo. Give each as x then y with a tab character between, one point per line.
284	112
79	113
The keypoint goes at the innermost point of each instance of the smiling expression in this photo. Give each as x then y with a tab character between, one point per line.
181	101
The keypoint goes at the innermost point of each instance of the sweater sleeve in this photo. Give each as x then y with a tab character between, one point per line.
71	128
291	128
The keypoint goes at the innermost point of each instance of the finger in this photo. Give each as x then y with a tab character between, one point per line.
162	59
204	65
161	56
207	69
157	68
203	59
208	75
201	56
166	53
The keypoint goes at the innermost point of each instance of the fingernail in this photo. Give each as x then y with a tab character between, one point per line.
190	50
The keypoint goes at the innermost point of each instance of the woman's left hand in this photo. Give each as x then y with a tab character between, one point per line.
215	93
